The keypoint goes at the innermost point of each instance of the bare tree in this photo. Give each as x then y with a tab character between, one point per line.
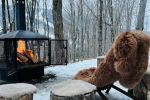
46	17
100	26
73	33
82	34
37	18
110	9
141	14
129	13
4	16
31	6
96	24
58	30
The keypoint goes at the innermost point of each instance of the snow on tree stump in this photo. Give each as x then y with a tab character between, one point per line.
18	91
99	59
142	90
73	90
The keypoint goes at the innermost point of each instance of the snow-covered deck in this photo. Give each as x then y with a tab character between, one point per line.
64	73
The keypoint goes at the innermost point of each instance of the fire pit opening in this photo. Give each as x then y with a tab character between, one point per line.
30	52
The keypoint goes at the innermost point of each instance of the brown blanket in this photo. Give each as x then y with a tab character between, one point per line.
126	62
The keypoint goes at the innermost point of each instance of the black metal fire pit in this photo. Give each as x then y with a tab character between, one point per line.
24	54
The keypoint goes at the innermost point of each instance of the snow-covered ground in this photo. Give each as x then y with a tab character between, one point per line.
64	73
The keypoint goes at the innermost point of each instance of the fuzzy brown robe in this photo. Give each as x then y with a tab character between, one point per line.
126	62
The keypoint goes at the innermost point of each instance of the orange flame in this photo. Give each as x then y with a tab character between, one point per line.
21	47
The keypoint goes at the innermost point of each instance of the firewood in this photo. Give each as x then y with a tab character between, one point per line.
22	57
31	55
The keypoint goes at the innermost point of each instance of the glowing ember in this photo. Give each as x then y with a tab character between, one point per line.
21	47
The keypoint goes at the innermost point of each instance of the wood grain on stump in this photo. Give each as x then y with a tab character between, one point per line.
73	90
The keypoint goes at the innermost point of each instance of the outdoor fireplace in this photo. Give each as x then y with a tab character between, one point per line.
24	54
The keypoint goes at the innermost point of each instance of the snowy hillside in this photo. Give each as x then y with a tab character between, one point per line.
64	73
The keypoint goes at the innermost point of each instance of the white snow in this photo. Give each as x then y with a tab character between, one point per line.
64	73
73	88
12	91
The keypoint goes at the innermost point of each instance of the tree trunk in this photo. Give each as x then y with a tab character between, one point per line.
58	30
73	33
82	34
112	20
4	16
141	15
100	27
8	14
46	17
31	6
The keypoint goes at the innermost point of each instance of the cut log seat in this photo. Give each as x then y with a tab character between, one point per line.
18	91
73	90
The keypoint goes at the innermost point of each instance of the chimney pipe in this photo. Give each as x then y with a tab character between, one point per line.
20	15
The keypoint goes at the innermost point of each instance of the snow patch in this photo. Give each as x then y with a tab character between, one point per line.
71	69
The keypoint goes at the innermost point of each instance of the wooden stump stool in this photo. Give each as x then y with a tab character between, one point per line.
73	90
18	91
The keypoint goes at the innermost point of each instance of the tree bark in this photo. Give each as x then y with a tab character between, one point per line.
31	6
58	30
4	16
73	33
100	27
141	15
82	34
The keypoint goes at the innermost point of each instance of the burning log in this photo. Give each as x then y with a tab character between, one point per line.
25	55
30	54
22	58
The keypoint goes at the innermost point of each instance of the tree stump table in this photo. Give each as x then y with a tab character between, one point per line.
73	90
18	91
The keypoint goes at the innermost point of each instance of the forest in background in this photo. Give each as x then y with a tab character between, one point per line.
90	26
